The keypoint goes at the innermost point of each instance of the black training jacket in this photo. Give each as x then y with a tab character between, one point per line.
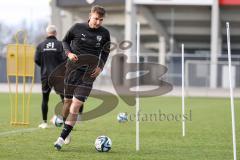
49	54
81	39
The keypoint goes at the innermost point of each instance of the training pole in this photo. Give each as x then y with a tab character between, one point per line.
231	92
137	89
183	93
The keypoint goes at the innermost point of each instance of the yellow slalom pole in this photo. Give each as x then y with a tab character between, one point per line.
20	64
24	80
23	95
10	91
29	96
10	97
16	87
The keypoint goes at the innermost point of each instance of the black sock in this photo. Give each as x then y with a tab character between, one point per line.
66	131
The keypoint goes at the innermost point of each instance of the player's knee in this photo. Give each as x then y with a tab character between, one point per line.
74	109
67	101
77	102
75	106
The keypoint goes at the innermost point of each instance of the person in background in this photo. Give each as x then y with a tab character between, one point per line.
49	54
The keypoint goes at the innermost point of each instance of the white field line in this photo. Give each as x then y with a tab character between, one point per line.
26	130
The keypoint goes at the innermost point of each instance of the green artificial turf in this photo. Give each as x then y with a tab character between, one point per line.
208	131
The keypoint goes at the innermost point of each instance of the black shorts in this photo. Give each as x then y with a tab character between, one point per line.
77	81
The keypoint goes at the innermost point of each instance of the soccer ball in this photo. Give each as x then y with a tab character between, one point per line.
57	121
122	117
103	144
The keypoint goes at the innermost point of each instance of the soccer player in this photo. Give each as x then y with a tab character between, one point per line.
49	54
81	40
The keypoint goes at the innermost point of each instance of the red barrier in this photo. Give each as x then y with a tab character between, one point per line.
229	2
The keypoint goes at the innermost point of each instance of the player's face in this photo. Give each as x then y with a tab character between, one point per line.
95	20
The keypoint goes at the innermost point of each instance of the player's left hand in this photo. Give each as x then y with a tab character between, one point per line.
96	72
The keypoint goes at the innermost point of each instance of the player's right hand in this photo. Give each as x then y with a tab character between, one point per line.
72	57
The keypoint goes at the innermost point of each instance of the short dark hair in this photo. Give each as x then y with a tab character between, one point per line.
99	10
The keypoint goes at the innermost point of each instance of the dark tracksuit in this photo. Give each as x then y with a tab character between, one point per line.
49	54
83	40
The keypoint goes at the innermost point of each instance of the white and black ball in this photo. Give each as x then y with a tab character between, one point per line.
103	143
57	121
122	117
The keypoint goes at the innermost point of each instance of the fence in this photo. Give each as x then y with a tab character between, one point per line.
197	70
